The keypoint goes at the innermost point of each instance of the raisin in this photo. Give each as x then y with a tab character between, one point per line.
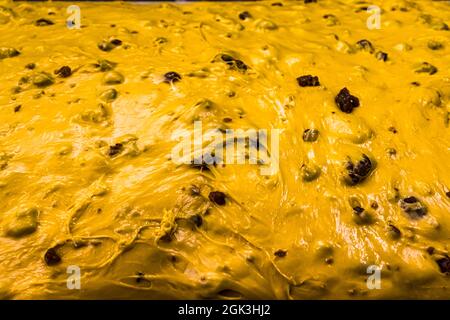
435	45
197	220
447	194
115	149
6	52
171	77
332	20
166	238
51	257
277	4
280	253
310	135
426	67
43	22
354	178
362	216
108	45
411	199
308	81
363	167
444	264
116	42
441	26
310	1
227	58
240	65
217	197
64	72
140	276
244	15
234	63
17	108
380	55
345	101
393	130
394	232
413	207
358	210
105	46
30	66
357	173
361	9
365	45
160	40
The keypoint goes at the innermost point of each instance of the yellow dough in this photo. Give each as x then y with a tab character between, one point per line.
87	180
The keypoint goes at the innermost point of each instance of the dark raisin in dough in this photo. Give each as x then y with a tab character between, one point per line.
244	15
64	72
413	207
51	257
308	81
365	45
217	197
171	77
345	101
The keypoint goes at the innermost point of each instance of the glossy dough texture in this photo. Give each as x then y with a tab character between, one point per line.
87	180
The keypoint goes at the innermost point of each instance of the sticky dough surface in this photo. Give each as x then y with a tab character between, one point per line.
129	217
